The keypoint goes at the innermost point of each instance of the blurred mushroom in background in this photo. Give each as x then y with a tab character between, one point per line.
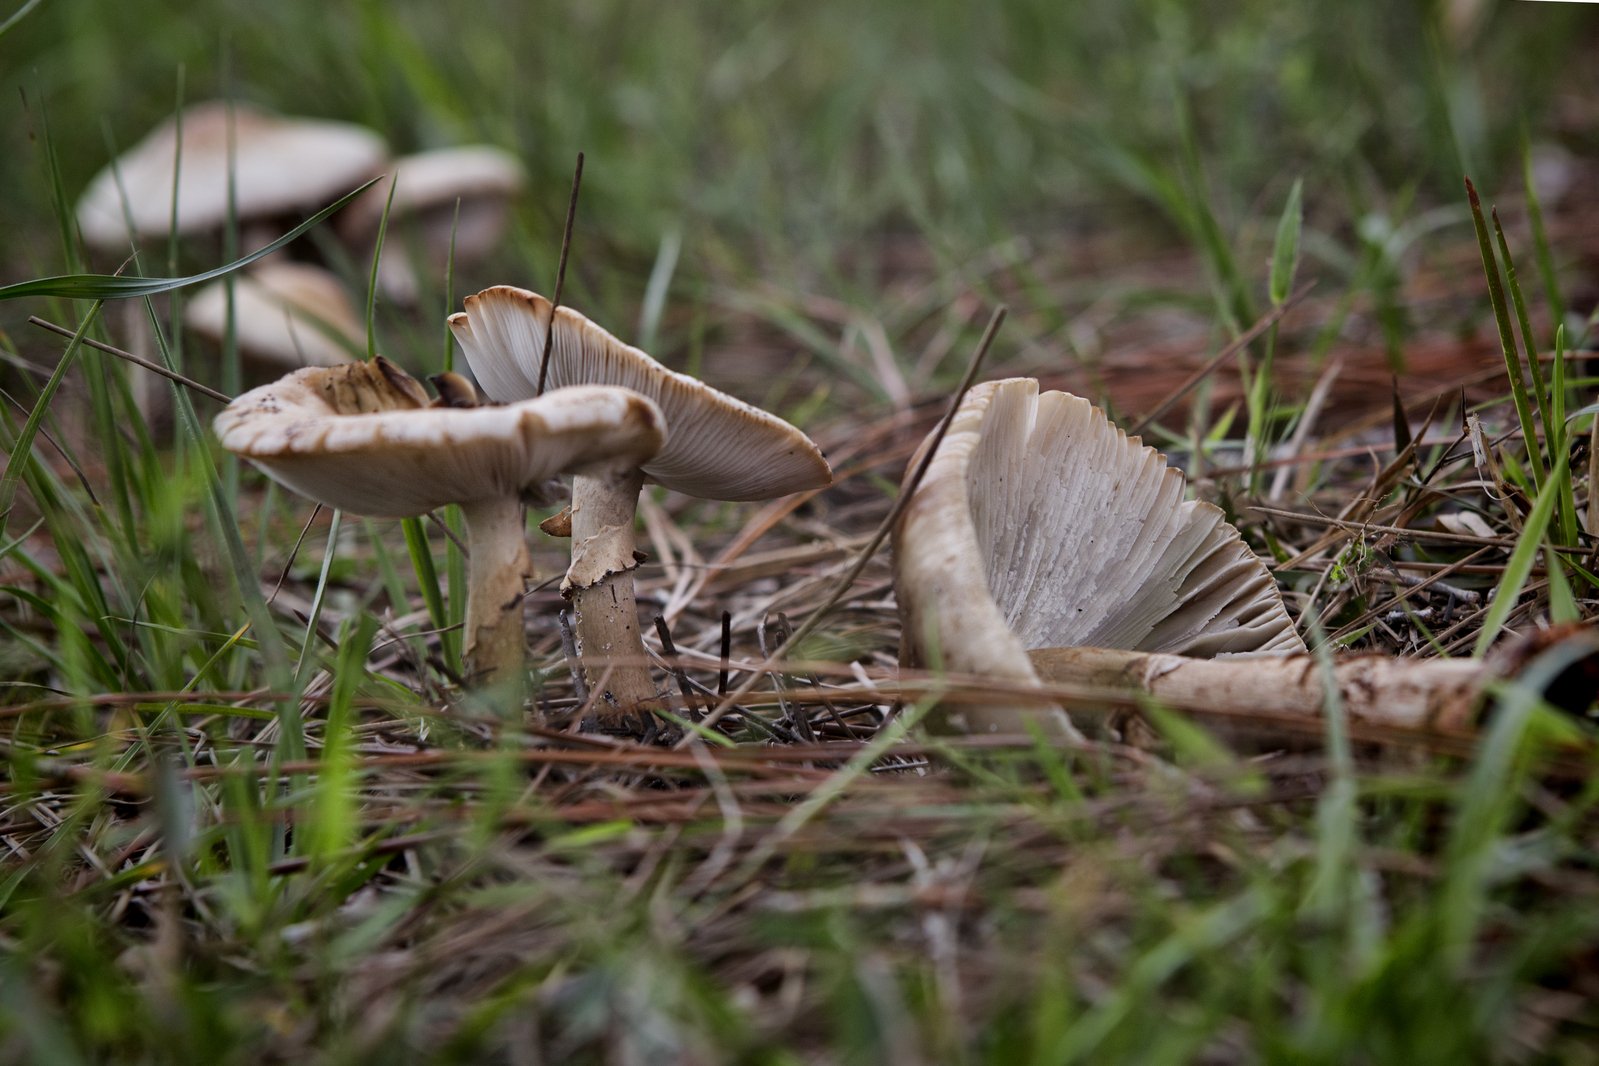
422	217
285	315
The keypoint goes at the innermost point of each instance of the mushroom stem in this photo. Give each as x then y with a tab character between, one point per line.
497	575
1435	694
600	586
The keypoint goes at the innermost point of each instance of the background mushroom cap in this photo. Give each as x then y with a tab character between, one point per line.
718	447
361	437
279	164
436	179
289	314
1041	524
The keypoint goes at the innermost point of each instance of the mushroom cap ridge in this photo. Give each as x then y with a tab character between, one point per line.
359	437
720	447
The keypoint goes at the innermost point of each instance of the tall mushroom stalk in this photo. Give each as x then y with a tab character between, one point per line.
364	438
717	447
600	585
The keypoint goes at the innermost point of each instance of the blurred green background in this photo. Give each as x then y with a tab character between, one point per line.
801	144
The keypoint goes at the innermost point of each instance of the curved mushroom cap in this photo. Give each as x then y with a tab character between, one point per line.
362	437
438	178
290	314
719	448
278	165
1040	524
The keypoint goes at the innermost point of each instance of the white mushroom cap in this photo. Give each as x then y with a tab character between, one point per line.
288	314
720	448
437	179
482	178
278	165
360	437
1040	524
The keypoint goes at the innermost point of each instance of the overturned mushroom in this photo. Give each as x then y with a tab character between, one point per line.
1045	546
717	448
362	437
285	315
1039	524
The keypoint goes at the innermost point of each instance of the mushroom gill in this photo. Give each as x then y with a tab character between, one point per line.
1039	524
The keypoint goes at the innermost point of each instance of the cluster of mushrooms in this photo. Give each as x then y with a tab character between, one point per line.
365	438
1043	546
219	161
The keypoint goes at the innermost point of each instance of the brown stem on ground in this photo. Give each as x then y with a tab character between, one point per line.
1439	694
497	576
600	586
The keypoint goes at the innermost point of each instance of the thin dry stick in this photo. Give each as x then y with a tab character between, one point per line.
727	643
294	552
154	368
1269	319
560	273
883	529
77	470
1418	586
684	685
1402	532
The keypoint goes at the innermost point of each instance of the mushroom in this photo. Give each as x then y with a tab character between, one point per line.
1039	524
274	166
177	180
426	188
717	448
1045	546
285	314
362	437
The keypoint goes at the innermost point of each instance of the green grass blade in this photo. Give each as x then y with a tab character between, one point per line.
22	451
308	648
1284	264
656	289
1528	346
1285	250
1558	431
112	287
1562	602
1488	798
372	275
427	575
1521	560
18	15
1507	338
333	819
